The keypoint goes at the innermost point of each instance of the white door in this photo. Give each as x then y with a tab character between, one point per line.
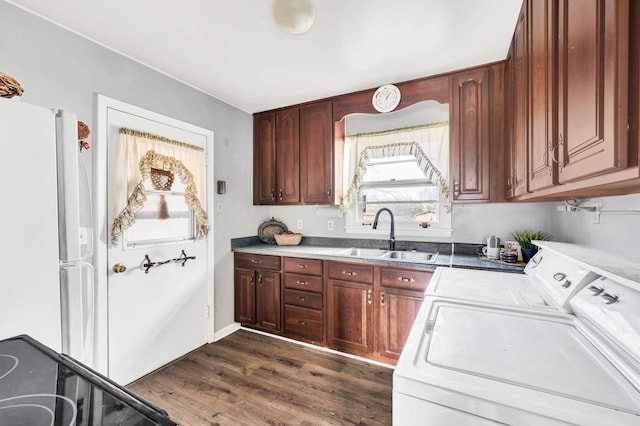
156	311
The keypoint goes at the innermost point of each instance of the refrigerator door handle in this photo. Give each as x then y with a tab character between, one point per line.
78	310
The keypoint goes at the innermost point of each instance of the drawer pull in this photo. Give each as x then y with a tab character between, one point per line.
302	282
302	266
369	296
303	322
256	261
382	298
302	299
348	273
406	280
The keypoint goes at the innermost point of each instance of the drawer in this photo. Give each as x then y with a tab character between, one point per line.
303	266
257	261
351	272
303	282
405	278
303	323
305	299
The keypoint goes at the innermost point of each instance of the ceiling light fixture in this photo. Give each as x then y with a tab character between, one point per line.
294	16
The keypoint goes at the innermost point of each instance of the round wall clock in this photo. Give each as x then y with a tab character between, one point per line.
386	98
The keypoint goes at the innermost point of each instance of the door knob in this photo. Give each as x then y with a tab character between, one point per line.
118	268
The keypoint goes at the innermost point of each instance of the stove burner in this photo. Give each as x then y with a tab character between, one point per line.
8	363
41	387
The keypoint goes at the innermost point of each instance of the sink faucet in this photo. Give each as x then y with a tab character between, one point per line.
392	236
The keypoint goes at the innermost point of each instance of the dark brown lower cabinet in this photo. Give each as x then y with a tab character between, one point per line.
401	292
358	308
350	316
398	311
303	300
257	291
268	300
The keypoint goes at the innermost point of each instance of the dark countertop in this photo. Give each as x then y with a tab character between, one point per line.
311	251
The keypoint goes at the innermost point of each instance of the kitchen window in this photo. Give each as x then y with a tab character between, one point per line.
404	177
163	218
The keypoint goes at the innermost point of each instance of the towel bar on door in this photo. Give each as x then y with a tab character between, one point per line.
149	264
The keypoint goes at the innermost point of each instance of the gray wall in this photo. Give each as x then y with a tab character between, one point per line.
59	69
615	232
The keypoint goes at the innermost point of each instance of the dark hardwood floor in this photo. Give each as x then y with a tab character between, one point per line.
251	379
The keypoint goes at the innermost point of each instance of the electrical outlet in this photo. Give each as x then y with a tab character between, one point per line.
299	224
330	225
219	207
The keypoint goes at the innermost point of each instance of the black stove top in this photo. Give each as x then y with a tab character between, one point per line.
38	386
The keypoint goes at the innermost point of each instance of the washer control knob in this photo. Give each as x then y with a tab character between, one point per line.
559	276
610	298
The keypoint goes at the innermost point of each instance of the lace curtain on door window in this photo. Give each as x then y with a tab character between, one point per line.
138	155
429	144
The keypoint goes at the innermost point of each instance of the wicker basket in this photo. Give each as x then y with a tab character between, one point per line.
288	239
9	86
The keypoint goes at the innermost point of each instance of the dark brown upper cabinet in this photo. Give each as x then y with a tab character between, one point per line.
476	134
593	37
293	155
577	100
316	153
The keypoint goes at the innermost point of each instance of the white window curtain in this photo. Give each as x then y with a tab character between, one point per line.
429	144
137	153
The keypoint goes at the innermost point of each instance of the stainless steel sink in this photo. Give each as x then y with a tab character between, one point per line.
362	252
411	256
399	255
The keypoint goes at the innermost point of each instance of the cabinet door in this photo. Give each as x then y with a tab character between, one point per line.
470	135
541	15
592	87
268	300
316	153
264	158
520	98
509	126
398	311
244	296
350	316
288	155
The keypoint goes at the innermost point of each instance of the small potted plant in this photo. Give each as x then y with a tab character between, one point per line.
525	237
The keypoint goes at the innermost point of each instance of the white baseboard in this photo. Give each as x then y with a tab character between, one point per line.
231	328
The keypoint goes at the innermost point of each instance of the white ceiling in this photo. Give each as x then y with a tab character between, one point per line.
232	49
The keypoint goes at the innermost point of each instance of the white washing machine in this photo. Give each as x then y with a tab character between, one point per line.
559	345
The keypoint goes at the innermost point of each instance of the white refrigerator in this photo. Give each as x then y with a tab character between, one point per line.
46	277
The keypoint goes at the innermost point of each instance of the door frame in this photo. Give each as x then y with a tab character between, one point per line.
101	228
